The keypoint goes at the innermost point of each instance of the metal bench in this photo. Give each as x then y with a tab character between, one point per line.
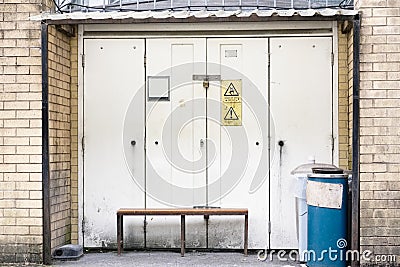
180	212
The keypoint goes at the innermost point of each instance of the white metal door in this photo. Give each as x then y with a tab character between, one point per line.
113	168
238	155
175	138
300	124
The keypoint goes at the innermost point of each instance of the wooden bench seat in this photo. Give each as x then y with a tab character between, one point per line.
180	212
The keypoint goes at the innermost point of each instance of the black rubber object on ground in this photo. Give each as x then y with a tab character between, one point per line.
68	252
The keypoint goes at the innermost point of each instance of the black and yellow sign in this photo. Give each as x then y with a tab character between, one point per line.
231	98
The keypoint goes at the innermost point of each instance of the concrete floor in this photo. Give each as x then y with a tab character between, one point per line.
141	258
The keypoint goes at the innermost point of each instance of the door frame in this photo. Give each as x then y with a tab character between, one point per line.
189	30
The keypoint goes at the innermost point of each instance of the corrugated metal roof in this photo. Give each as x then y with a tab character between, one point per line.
328	12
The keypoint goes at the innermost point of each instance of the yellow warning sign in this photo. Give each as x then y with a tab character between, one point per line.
231	98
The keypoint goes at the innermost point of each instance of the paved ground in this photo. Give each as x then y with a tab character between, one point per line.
170	259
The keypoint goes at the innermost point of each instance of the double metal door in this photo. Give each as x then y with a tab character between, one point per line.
202	151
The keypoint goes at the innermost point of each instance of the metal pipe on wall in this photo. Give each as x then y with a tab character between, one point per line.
355	238
46	253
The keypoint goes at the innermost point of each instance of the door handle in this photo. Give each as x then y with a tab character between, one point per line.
281	143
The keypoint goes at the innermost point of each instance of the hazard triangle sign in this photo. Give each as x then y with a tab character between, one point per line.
231	114
231	91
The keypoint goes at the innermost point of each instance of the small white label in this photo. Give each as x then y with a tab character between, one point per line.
324	195
231	53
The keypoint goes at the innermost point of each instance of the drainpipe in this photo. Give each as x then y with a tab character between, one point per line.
355	238
45	148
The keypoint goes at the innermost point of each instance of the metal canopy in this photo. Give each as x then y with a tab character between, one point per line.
136	5
184	14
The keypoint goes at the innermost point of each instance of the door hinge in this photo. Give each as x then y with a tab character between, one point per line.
269	143
144	60
83	225
269	227
144	143
83	144
269	59
83	60
333	142
332	59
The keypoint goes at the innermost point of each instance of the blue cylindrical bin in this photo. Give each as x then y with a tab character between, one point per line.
327	218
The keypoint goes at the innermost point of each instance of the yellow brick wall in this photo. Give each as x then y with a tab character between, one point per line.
20	132
350	85
343	100
59	136
379	130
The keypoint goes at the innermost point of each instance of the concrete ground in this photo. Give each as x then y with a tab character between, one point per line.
154	258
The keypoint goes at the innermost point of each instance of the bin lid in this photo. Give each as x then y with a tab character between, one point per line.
329	170
308	168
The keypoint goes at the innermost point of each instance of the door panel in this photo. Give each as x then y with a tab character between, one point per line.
301	117
113	75
239	150
175	130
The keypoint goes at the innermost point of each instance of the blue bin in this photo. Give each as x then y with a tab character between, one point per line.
327	218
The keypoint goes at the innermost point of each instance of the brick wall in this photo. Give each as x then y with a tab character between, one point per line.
343	100
59	134
20	132
380	131
350	93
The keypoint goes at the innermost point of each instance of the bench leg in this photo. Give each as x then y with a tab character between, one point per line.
120	231
246	233
182	235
